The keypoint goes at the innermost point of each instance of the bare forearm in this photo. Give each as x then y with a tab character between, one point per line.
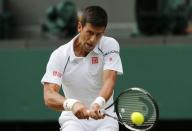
107	89
52	98
55	101
109	79
108	84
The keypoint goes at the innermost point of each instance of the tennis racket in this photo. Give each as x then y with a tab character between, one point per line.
135	100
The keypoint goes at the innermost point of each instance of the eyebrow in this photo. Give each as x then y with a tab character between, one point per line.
96	32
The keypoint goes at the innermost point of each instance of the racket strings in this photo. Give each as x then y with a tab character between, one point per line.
136	101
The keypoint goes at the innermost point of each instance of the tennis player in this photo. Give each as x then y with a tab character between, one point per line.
86	69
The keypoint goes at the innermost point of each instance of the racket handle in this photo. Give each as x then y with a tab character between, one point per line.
103	111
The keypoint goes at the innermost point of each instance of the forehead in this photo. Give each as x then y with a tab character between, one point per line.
90	27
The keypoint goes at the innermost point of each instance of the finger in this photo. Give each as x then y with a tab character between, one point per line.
93	115
80	115
99	115
86	114
77	114
88	111
96	115
102	113
83	114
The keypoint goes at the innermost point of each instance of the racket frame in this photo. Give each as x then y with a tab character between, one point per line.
119	119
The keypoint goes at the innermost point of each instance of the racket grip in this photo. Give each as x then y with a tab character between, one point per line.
103	111
106	114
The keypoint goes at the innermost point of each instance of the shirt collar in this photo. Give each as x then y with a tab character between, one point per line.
71	49
97	48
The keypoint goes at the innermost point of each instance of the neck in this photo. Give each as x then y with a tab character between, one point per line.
78	49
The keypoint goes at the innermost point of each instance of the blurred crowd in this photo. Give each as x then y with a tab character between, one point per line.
153	17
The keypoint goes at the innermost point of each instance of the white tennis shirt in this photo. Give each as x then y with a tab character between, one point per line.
81	77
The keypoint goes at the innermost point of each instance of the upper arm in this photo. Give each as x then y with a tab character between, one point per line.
110	76
55	68
112	60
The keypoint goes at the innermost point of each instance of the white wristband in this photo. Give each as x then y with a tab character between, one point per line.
100	101
68	104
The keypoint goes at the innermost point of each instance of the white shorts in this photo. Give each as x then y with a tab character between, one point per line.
69	122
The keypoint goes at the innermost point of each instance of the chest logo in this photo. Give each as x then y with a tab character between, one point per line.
94	60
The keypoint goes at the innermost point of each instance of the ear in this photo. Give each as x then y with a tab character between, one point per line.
79	27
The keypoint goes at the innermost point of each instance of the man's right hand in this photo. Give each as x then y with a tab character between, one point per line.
80	111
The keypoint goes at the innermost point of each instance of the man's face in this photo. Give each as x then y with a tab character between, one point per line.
89	35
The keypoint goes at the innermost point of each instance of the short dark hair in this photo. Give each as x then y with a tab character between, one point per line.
94	15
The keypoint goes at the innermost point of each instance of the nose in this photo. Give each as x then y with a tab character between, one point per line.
93	38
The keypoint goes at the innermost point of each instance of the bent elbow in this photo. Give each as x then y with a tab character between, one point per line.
47	101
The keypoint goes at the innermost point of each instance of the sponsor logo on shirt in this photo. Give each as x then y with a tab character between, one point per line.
57	74
110	52
94	60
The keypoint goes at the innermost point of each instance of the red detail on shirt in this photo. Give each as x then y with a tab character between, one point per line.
94	60
57	74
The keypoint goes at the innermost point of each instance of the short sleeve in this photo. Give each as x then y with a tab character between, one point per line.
54	69
111	55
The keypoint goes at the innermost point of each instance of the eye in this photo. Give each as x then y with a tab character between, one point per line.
90	32
99	34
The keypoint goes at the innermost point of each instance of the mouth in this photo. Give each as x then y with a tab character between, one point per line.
90	46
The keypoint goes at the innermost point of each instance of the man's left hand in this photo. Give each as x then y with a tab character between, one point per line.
95	112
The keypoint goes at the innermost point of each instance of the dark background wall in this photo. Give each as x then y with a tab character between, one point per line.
31	12
29	15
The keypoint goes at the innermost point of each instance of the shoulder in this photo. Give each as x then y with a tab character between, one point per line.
106	39
61	52
109	43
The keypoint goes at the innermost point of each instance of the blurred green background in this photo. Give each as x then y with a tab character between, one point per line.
165	71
